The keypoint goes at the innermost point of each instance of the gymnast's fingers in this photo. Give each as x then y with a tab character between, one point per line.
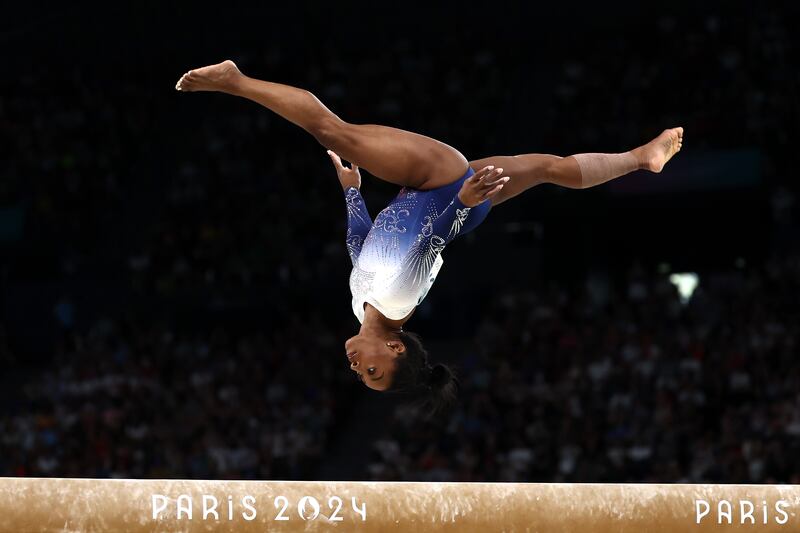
494	191
491	179
480	177
482	173
337	161
499	181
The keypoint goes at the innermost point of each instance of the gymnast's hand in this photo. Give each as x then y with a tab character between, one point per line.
348	177
482	185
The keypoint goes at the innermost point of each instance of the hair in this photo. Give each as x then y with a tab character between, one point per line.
433	389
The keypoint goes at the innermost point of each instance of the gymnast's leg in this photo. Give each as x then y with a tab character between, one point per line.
580	171
397	156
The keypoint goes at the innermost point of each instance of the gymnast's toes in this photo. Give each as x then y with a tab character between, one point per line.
219	77
662	148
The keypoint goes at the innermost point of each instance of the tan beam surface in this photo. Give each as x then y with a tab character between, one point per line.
47	505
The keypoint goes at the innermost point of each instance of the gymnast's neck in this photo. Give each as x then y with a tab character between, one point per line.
376	323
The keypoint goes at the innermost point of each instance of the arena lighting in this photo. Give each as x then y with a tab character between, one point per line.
686	283
85	505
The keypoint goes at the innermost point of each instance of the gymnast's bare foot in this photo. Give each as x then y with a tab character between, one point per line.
655	154
220	77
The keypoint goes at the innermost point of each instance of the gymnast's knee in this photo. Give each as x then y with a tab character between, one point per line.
552	168
330	131
562	171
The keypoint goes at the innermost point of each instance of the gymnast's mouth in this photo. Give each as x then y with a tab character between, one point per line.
351	355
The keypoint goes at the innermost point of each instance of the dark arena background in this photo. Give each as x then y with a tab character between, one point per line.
174	278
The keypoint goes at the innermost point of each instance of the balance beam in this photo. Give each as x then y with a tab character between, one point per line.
88	505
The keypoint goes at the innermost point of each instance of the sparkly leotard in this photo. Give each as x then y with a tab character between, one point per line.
397	257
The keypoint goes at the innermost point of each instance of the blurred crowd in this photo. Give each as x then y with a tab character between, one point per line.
125	399
621	383
606	382
168	195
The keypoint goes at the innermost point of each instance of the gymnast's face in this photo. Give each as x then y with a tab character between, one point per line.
373	359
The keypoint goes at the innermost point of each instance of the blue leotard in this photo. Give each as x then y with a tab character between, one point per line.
397	257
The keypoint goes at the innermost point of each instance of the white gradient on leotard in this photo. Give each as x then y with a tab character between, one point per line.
397	262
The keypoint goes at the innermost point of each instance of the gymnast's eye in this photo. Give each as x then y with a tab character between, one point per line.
371	371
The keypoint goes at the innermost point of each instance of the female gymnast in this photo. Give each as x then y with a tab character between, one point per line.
396	258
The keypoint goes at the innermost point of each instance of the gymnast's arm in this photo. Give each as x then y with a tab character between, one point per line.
358	222
447	225
358	219
475	190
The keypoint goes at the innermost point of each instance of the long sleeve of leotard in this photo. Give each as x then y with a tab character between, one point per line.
438	233
358	222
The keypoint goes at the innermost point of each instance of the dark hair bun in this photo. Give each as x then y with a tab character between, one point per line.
435	388
440	376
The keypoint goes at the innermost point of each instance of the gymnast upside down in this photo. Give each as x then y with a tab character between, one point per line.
397	256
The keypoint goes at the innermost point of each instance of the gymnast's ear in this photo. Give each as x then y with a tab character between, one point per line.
397	346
